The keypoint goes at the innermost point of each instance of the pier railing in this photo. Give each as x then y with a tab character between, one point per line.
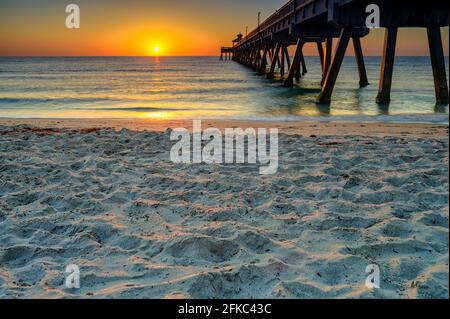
287	13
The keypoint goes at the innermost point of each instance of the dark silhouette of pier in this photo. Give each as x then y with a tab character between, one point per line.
265	49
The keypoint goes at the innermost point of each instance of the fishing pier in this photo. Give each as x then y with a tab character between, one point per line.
321	22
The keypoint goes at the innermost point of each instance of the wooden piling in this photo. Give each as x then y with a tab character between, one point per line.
321	55
327	57
256	59
282	61
289	81
250	57
304	70
298	72
271	53
277	57
438	65
288	59
247	57
363	81
387	66
273	61
333	71
262	68
260	57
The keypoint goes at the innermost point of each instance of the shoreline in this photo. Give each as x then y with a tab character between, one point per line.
306	128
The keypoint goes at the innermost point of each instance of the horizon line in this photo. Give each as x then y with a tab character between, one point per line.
168	56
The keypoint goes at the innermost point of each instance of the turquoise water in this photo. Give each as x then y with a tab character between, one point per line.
205	87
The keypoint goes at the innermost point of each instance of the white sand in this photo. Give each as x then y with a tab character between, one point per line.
140	226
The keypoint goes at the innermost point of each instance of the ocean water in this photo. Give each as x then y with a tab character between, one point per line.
205	87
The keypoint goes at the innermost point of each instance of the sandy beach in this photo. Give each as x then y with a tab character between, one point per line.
104	195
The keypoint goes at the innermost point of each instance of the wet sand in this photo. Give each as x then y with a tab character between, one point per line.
304	128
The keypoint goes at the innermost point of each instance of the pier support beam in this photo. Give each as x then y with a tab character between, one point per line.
321	55
282	61
327	58
273	61
262	68
288	59
289	81
332	74
363	81
257	60
438	65
298	72
248	57
278	60
387	66
304	70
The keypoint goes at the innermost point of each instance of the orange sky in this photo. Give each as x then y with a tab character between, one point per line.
137	27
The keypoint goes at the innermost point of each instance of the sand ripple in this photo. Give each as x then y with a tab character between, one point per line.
141	226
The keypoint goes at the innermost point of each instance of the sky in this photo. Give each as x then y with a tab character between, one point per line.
152	27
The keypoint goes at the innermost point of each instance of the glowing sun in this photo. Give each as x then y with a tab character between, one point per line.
156	49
